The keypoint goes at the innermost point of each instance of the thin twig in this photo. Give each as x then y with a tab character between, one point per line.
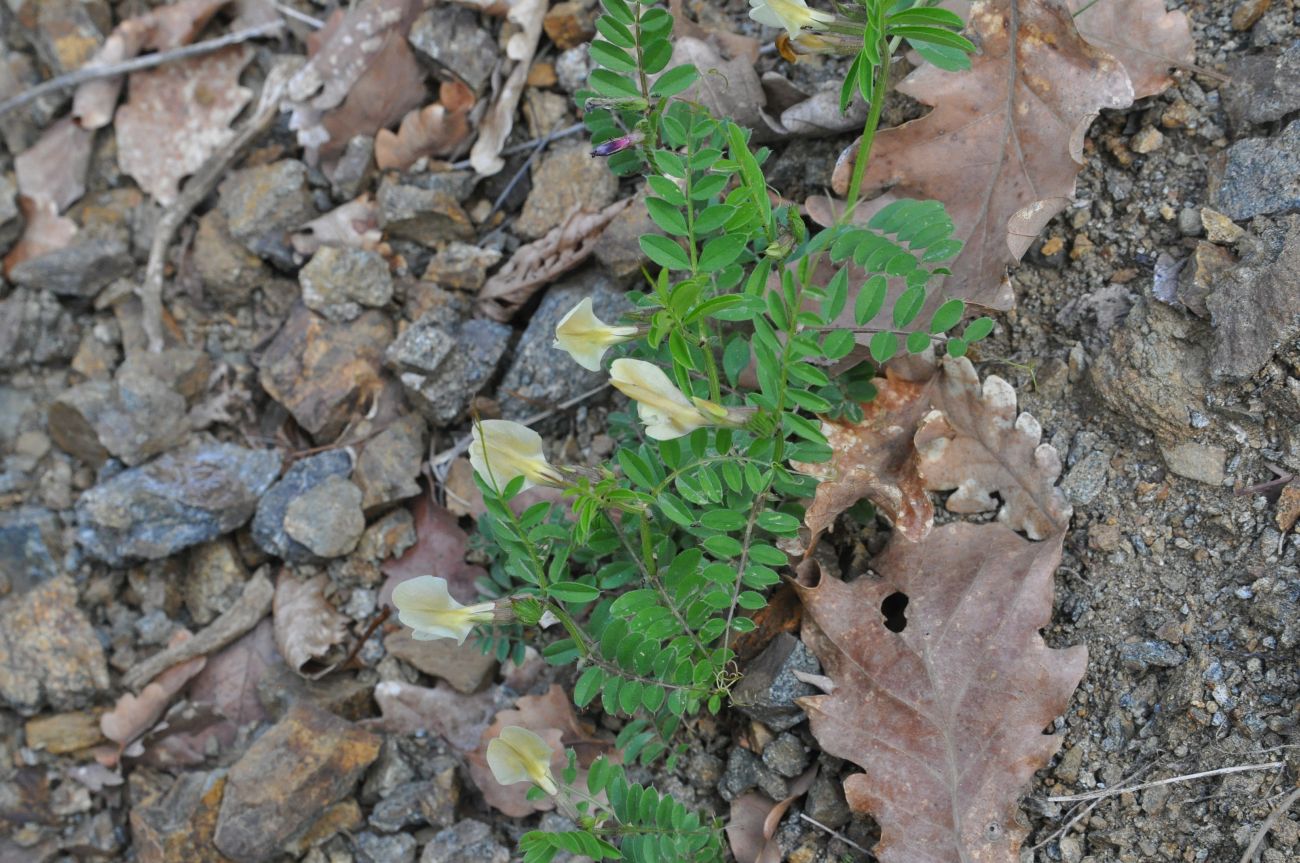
198	188
1079	816
1282	807
1189	777
837	834
527	145
293	13
523	169
136	64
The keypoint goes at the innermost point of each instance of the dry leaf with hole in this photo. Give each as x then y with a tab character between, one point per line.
751	829
457	718
550	716
354	225
1142	35
975	444
178	115
133	715
434	130
494	128
1004	142
306	626
229	681
440	547
946	716
543	261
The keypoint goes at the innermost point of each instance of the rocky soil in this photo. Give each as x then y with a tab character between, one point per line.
1156	339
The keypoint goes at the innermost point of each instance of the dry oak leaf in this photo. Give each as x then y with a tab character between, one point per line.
494	128
551	716
457	718
1004	142
434	130
440	549
1142	35
229	682
178	115
306	625
975	443
751	827
133	715
354	225
543	261
945	717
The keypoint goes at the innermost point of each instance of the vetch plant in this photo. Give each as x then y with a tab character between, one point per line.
749	330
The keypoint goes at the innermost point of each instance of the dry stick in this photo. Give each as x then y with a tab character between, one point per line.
136	64
528	145
1268	825
1068	825
198	188
837	834
1110	792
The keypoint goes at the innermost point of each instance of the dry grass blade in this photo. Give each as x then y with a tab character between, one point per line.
485	156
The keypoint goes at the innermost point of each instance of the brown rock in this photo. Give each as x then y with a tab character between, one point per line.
280	689
426	216
229	272
569	24
213	581
62	733
1288	507
464	666
342	817
461	266
541	75
566	178
304	764
1147	141
324	372
389	463
1219	228
178	826
1248	13
48	649
618	247
1208	268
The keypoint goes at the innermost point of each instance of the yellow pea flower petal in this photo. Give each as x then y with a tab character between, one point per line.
790	15
425	605
503	450
586	337
519	755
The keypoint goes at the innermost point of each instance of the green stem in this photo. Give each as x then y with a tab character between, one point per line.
868	136
650	575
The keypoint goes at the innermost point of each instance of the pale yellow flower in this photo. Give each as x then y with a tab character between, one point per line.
503	450
790	15
519	755
586	337
425	605
666	412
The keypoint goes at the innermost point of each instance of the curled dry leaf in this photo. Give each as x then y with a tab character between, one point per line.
178	115
1142	35
306	626
975	443
751	829
542	261
440	547
946	716
458	718
485	156
354	225
133	715
434	130
551	716
1004	142
373	33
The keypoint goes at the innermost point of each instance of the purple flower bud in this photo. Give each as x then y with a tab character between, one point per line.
618	145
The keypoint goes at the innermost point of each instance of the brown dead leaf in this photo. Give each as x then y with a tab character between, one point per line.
229	681
133	715
1004	142
552	718
306	626
177	115
372	34
54	168
458	718
731	44
1142	35
727	88
945	717
975	443
751	829
44	231
494	128
434	130
439	549
542	261
354	225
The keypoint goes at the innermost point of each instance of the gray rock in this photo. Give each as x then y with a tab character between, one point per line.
354	169
1199	461
414	804
1262	88
78	270
1087	478
426	216
180	499
769	688
740	774
389	463
443	368
464	666
29	547
540	372
48	650
618	248
326	518
461	266
337	282
134	418
572	68
567	177
373	848
11	218
786	755
469	841
34	330
1256	309
825	801
266	200
228	271
1140	655
1261	176
390	770
452	41
269	524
